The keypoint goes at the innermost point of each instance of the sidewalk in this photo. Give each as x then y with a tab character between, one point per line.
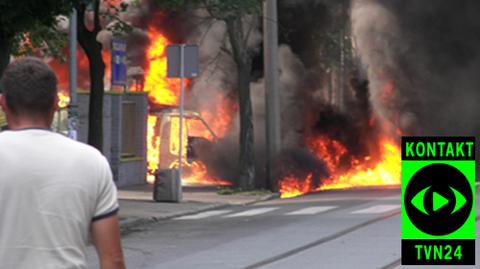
138	208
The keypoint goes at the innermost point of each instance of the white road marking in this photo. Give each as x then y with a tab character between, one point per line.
376	209
204	215
252	212
311	210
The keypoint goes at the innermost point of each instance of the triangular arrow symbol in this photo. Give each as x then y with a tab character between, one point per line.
438	201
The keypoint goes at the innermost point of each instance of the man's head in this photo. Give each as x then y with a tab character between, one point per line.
28	93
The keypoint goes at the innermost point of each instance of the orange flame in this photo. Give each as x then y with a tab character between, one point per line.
362	173
63	99
153	148
161	90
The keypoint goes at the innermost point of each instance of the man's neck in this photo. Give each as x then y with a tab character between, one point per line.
20	123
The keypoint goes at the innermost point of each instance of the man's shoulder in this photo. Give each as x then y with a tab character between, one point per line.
80	148
55	141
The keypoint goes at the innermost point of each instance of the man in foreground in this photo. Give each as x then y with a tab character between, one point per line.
54	192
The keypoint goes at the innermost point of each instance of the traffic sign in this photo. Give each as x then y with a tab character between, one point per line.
189	63
118	59
438	205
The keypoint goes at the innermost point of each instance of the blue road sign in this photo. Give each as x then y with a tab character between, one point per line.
118	58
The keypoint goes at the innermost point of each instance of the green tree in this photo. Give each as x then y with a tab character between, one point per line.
237	17
93	49
23	16
29	26
87	38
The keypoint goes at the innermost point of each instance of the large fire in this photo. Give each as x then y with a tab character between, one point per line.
366	172
381	169
163	91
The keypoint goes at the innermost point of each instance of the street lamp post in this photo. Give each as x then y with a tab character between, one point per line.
73	107
272	95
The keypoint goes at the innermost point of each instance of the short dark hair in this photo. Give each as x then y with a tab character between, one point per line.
29	86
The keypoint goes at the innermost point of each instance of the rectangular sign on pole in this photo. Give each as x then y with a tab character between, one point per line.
438	201
118	59
190	63
182	62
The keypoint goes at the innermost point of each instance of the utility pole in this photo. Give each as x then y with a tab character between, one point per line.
272	95
72	61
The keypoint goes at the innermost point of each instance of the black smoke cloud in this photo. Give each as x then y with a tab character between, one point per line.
429	52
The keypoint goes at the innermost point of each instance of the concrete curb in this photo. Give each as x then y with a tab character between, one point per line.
134	224
264	198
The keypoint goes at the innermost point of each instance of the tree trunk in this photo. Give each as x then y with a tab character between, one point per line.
5	50
93	49
247	156
243	60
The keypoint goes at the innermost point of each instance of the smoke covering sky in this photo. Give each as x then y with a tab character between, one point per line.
426	53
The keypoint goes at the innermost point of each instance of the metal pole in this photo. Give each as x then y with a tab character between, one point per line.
272	95
180	129
72	108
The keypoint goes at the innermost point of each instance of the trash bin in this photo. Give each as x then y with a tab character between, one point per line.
167	186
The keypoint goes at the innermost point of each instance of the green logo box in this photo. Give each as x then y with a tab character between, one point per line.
438	200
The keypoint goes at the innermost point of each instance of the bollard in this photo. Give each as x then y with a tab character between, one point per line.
167	186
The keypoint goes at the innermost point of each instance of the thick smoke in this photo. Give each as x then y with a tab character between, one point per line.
218	80
304	110
217	77
423	62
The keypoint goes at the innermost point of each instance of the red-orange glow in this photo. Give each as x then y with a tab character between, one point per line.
221	117
328	150
196	173
385	171
83	77
291	186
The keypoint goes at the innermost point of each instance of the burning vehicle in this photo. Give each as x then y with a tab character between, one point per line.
164	143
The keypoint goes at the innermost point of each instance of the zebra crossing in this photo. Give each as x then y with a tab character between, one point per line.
306	211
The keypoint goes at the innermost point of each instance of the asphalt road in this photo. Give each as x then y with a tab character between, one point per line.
333	229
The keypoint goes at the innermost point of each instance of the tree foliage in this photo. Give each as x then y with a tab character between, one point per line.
47	41
20	17
23	15
219	9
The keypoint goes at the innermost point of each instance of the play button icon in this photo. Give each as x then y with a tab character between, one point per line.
438	193
438	201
